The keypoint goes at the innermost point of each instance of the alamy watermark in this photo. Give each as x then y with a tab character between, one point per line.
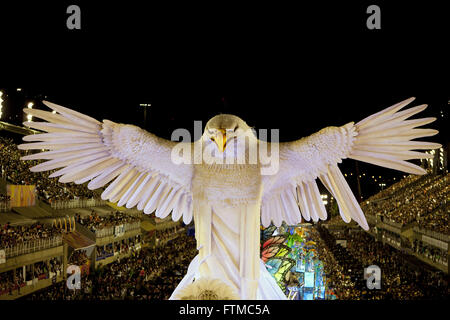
372	275
247	147
373	22
74	280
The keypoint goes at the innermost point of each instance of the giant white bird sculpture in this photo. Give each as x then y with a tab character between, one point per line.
228	201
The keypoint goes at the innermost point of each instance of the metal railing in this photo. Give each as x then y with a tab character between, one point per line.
132	226
104	232
31	246
109	231
443	260
433	234
77	203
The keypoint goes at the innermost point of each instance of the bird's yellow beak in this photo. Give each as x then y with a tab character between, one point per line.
221	140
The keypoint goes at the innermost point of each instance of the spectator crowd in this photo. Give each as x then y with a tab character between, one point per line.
11	236
95	222
167	234
147	274
434	254
402	276
17	171
423	200
16	279
78	257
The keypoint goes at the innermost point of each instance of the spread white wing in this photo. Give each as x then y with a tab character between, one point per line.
382	139
137	163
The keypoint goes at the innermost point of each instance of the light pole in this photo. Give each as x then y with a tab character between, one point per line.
1	103
30	106
145	106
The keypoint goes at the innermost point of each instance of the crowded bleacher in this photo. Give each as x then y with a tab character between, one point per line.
420	199
401	278
13	280
437	255
78	257
17	172
95	222
145	275
15	235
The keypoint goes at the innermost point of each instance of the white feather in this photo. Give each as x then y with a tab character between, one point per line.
107	175
155	198
153	186
138	193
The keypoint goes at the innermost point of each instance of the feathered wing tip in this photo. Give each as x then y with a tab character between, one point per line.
349	207
207	289
385	138
84	149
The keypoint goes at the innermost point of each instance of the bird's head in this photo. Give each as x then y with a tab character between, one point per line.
224	129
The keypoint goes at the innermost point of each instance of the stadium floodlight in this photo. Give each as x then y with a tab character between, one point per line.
324	199
19	89
1	103
30	106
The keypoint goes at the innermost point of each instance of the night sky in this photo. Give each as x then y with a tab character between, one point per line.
297	68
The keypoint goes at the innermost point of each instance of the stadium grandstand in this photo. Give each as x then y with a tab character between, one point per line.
47	227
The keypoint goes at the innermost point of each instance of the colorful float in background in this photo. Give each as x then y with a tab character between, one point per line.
290	256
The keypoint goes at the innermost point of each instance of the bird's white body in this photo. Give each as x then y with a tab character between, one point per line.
227	207
229	251
230	201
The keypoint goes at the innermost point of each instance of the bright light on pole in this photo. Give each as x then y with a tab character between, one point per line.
30	106
145	105
324	199
1	103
